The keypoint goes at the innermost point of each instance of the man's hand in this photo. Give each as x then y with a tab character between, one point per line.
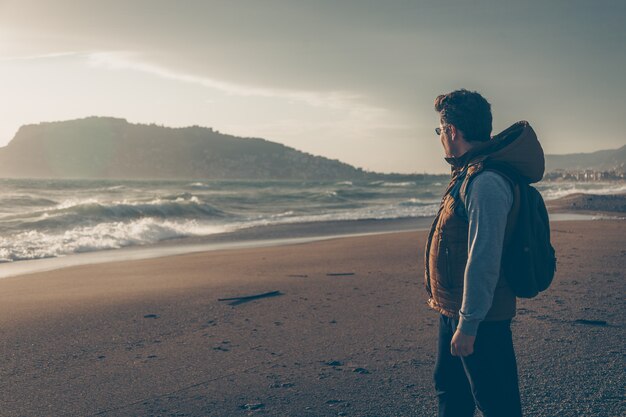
462	344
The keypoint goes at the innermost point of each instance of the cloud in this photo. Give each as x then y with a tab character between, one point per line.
40	56
340	100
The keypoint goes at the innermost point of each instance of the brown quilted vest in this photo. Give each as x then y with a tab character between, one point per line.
447	250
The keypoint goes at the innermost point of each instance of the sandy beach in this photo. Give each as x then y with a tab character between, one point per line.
349	333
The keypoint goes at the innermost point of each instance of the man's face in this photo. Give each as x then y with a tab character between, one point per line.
446	139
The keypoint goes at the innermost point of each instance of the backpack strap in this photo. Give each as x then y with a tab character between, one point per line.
511	178
472	170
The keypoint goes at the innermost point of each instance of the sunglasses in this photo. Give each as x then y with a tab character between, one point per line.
438	130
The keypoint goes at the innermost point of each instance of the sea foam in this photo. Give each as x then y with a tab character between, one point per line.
52	218
35	244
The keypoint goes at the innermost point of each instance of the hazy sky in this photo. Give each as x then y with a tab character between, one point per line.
353	80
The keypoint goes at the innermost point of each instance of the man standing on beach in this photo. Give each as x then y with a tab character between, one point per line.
476	365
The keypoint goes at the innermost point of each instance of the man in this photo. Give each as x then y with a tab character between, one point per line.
476	365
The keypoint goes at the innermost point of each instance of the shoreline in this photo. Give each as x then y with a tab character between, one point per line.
254	237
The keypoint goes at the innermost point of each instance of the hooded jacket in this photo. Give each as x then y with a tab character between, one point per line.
517	154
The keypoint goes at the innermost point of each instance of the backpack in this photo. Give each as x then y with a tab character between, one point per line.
528	258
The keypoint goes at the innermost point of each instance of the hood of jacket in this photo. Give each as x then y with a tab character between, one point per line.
516	146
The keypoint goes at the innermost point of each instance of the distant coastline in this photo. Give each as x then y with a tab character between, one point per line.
111	148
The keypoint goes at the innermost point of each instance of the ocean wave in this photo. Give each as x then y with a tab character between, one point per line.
34	244
57	218
283	214
343	196
75	202
360	194
397	184
71	213
175	206
392	183
25	201
43	242
417	202
115	188
199	185
386	212
553	190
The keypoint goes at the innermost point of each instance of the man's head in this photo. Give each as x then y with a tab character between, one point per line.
465	120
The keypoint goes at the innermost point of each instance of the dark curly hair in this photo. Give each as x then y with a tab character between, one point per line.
468	111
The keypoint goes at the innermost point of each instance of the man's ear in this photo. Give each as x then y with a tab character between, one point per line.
453	132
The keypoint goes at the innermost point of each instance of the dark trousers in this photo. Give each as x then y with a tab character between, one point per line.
486	379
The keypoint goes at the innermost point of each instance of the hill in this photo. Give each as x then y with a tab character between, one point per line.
103	147
112	148
607	160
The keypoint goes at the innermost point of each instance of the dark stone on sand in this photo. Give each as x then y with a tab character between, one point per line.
591	322
151	316
253	406
282	385
220	348
361	371
333	402
339	274
334	363
244	299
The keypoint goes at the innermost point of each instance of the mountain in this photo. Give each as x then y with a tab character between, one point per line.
608	160
103	147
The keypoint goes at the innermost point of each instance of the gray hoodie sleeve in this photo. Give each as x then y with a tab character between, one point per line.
488	201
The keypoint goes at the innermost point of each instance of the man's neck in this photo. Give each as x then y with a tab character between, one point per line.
464	154
462	149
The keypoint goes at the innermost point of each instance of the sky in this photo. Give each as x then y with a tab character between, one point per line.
353	80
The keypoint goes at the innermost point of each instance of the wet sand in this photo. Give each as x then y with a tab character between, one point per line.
149	337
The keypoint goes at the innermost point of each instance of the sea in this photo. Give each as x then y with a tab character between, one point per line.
42	219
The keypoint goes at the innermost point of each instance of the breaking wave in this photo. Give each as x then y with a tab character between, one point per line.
51	218
555	190
38	244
